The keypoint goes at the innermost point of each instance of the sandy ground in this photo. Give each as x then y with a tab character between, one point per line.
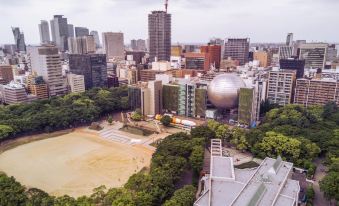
74	164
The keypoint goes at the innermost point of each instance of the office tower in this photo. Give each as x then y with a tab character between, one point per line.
293	64
6	74
10	49
264	58
285	52
289	39
92	66
159	32
14	93
151	98
141	45
314	55
134	97
213	54
296	47
113	43
70	30
38	87
280	86
81	45
237	49
81	31
198	61
95	34
44	32
46	62
134	45
316	91
76	83
59	29
19	39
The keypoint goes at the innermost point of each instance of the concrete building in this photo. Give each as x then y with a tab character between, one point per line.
38	87
81	31
113	43
76	83
44	32
237	49
138	56
149	74
151	98
159	32
293	64
264	58
289	39
14	93
213	54
161	66
59	30
92	66
19	39
314	55
269	184
248	106
281	85
82	45
138	45
70	30
6	74
176	50
285	52
46	62
198	61
95	34
316	91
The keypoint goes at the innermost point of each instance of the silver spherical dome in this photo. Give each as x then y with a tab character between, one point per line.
223	91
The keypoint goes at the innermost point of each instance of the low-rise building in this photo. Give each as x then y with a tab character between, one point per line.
14	93
76	83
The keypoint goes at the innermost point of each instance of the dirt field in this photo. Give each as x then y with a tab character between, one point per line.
74	163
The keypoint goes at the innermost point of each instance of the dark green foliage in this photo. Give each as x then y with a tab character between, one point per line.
182	197
12	193
60	112
310	195
203	132
166	120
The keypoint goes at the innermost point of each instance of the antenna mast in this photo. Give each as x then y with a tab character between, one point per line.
166	5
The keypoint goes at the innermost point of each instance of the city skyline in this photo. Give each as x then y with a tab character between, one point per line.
264	22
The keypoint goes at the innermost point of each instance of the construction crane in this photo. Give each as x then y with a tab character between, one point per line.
166	5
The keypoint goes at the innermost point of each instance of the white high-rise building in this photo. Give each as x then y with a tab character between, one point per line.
44	32
46	62
113	43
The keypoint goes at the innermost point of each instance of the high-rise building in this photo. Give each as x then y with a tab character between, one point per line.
81	31
19	39
76	83
45	61
332	53
59	28
264	58
293	64
81	45
6	74
138	45
285	52
134	44
289	39
237	49
44	32
280	86
159	32
38	87
95	34
92	66
214	54
70	30
151	98
316	91
198	61
113	43
314	55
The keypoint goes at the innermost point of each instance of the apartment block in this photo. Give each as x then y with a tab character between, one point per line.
6	74
281	85
76	83
316	91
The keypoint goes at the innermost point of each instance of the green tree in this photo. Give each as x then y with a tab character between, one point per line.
136	116
330	186
37	197
212	124
110	119
182	197
166	120
12	193
197	158
275	144
5	131
203	132
310	195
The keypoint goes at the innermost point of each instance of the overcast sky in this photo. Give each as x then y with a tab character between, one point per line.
192	20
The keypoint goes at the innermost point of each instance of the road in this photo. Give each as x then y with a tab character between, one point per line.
319	199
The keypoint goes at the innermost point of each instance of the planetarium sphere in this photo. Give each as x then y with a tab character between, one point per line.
223	91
